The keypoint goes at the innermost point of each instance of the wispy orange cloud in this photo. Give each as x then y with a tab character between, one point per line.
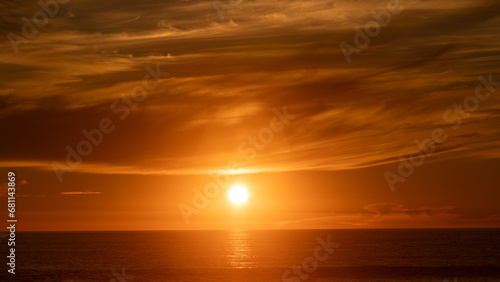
81	193
228	75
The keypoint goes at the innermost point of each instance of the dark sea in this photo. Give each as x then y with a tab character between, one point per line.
257	255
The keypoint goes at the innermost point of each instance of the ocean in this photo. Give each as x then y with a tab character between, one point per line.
258	255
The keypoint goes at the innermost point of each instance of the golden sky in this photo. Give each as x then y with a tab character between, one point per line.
229	71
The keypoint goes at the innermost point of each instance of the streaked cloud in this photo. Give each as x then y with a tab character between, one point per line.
227	76
81	193
389	215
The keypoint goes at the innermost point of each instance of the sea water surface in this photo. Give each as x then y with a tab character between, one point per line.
257	255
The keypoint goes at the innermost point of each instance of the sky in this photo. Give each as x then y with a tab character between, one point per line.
112	112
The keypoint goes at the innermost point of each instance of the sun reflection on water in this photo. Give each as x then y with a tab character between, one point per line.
237	250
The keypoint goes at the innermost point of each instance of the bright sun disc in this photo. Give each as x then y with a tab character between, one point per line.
238	194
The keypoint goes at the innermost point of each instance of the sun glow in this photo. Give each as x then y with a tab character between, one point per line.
238	194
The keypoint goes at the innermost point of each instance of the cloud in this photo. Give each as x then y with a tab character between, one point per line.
227	76
81	193
384	209
391	215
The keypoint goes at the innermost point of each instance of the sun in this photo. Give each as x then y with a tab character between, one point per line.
238	194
